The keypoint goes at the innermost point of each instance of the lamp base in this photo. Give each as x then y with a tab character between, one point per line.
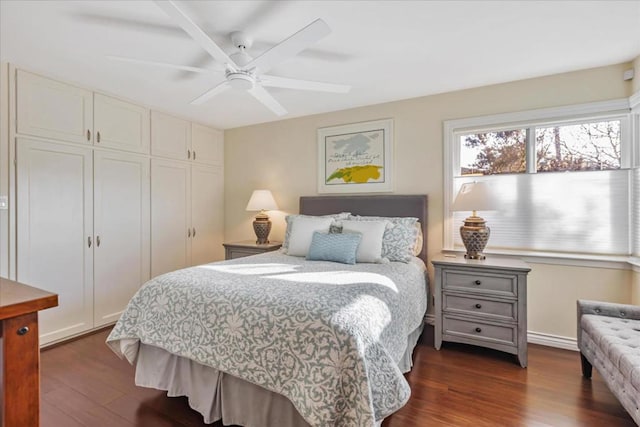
262	228
475	235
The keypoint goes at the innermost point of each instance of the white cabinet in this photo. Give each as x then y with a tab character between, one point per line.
186	215
170	136
170	216
207	145
207	221
55	232
83	231
179	139
120	125
121	229
51	109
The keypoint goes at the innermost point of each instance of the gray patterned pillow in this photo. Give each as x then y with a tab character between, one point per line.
336	226
399	238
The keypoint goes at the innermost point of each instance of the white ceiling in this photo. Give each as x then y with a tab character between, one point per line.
387	50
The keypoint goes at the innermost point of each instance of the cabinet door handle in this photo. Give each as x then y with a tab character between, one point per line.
98	137
478	330
188	154
98	241
23	330
194	154
194	232
89	241
477	305
188	232
478	282
88	135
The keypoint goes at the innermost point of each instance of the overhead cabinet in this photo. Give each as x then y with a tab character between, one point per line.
179	139
83	231
186	215
50	109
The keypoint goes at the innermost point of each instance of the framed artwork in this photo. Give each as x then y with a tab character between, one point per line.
356	158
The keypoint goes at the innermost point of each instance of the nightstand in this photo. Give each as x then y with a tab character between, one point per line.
248	247
482	302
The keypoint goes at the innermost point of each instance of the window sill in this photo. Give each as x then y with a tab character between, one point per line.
566	259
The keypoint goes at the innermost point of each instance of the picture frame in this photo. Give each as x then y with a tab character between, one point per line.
356	158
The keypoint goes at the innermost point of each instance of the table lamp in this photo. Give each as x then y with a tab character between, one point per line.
262	200
474	196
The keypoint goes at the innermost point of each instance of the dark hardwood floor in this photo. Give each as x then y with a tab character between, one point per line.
85	384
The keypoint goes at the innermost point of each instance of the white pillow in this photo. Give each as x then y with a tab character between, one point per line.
370	248
302	229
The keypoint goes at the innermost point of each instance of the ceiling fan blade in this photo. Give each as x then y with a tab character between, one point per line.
267	100
211	93
163	64
190	27
275	81
291	46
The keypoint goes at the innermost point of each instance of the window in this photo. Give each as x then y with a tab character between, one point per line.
562	177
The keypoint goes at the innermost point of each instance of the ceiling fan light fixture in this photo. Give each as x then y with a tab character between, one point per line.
241	81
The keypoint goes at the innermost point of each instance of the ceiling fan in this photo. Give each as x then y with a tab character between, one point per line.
243	72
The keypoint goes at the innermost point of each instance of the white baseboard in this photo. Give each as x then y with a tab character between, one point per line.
549	340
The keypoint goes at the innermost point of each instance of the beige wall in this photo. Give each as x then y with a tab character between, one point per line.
281	156
635	286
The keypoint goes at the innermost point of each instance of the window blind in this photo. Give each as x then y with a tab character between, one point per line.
574	212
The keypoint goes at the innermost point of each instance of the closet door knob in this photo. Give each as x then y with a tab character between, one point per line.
188	232
98	137
194	154
188	154
194	229
89	241
88	135
98	241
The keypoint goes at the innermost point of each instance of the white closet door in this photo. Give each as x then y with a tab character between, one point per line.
51	109
170	216
121	229
206	214
121	125
170	136
54	225
207	145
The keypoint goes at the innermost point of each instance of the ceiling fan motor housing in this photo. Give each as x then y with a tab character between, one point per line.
241	80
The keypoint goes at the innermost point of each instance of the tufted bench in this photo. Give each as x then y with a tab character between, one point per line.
609	339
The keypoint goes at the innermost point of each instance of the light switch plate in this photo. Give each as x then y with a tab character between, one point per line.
4	203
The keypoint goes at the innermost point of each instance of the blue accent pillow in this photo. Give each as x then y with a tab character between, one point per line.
334	247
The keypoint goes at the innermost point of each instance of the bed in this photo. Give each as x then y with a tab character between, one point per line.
275	340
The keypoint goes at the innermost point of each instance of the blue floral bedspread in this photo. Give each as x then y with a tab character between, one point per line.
327	336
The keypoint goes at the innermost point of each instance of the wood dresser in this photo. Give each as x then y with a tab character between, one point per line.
20	357
482	302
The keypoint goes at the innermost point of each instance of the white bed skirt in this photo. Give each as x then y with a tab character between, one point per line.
220	396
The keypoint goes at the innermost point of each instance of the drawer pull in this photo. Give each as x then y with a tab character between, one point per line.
478	282
23	330
478	306
478	330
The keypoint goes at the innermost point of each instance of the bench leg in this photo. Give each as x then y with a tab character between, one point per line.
586	366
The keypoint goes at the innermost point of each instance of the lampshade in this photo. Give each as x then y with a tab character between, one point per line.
261	200
475	196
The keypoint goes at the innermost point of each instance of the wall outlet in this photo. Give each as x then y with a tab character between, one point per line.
4	203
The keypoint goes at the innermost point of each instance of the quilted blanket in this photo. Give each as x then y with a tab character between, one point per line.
327	336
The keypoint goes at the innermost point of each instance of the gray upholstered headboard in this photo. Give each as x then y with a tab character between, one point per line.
410	206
